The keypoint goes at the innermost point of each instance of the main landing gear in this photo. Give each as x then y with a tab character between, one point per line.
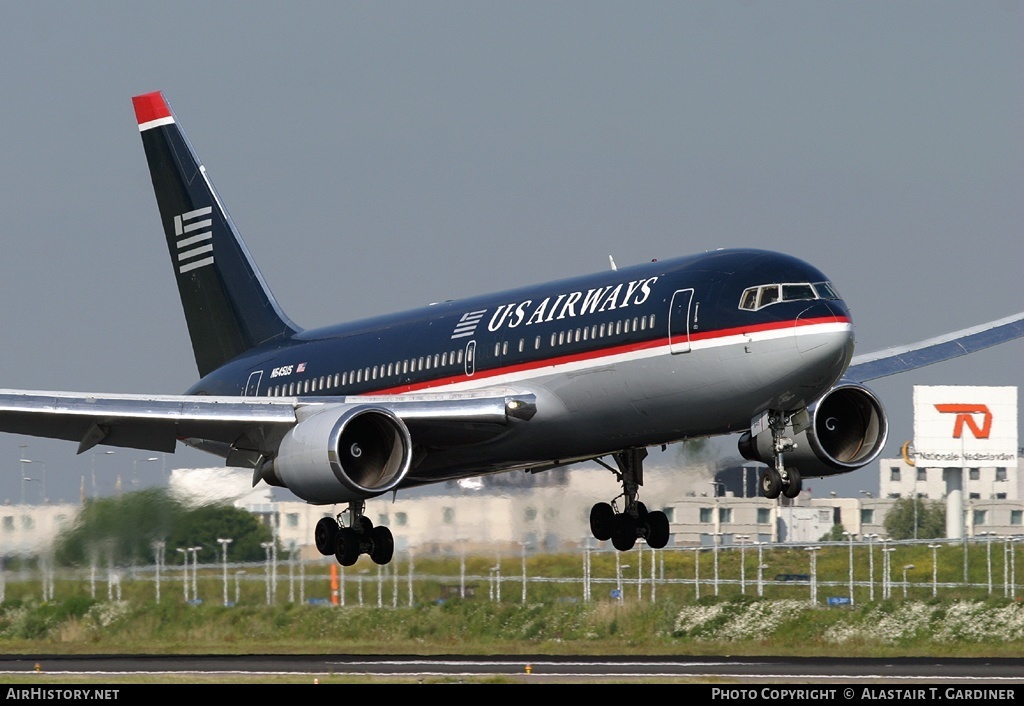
634	522
780	480
360	537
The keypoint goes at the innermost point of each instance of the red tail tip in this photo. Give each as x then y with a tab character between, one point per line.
150	106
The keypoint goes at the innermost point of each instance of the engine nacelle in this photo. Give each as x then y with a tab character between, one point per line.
343	454
845	430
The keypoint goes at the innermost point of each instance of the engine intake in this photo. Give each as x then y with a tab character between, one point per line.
847	431
344	454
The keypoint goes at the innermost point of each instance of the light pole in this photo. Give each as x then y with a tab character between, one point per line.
224	563
906	568
195	571
760	569
988	559
23	462
696	571
742	540
715	538
184	568
871	564
25	480
238	575
135	468
619	572
915	506
98	453
850	536
935	569
813	551
523	598
158	552
266	548
887	571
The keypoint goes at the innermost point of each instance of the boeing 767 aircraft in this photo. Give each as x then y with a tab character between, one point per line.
746	342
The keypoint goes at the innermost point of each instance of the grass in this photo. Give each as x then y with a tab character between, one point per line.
964	621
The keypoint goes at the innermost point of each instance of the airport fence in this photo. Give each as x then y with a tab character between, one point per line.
832	573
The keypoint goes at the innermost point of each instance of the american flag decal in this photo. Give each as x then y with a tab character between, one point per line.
195	239
467	324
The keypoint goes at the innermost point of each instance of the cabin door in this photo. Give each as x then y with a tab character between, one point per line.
679	321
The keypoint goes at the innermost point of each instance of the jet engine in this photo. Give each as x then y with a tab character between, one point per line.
343	454
843	431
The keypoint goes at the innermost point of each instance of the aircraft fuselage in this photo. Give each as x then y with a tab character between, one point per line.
648	354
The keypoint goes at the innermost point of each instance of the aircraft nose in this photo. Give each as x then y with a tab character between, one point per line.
824	338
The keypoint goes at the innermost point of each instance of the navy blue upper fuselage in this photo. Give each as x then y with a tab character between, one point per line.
520	329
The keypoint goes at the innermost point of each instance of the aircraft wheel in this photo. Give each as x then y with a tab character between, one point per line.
792	489
641	511
363	525
657	529
325	535
771	483
383	545
346	549
602	521
624	532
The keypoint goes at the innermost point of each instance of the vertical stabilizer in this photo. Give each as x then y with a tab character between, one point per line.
227	304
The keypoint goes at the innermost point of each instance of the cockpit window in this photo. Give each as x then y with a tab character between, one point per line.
825	290
754	298
797	292
769	295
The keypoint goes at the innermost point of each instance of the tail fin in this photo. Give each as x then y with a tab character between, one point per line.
228	306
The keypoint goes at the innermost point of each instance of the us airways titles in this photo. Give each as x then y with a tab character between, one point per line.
572	304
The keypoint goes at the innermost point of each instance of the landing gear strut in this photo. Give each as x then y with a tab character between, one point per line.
779	480
634	522
360	537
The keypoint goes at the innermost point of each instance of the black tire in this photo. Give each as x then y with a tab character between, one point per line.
346	549
624	532
657	529
641	511
325	535
383	545
602	520
363	525
771	484
792	489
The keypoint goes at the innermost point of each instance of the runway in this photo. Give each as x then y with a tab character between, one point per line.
539	668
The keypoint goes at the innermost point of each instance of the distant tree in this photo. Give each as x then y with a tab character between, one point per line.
202	526
122	530
834	535
930	514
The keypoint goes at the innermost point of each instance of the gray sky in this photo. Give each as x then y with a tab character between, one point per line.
382	155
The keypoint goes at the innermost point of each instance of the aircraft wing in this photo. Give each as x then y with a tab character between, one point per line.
156	422
935	350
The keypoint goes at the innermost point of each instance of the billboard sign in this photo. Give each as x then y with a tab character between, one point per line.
964	426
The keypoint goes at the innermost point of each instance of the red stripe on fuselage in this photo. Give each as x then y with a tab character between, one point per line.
603	353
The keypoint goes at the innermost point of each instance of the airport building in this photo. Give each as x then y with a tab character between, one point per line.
505	513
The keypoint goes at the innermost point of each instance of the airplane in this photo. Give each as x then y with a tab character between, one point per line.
602	366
